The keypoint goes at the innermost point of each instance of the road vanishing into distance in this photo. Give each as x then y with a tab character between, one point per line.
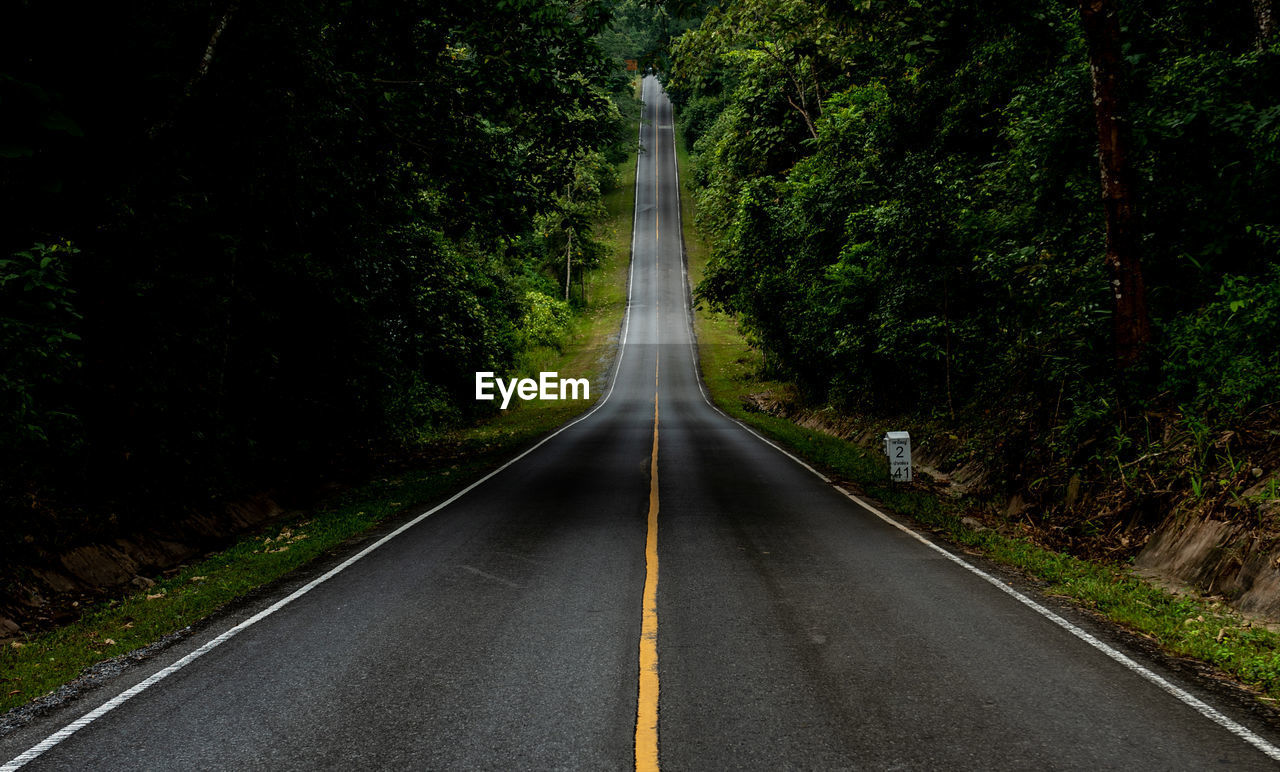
652	586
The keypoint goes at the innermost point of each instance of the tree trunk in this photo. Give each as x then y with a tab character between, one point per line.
1264	13
202	70
1101	23
808	121
207	59
568	257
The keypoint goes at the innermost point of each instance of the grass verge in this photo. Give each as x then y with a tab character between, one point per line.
43	662
1184	625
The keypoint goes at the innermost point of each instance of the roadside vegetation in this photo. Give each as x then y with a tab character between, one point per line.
251	248
585	343
905	215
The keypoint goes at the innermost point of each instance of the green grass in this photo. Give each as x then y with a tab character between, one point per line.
1184	625
42	662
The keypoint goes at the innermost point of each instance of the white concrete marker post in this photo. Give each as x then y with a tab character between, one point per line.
897	446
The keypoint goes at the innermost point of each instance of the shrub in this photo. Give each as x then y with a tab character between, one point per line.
545	321
1223	360
38	337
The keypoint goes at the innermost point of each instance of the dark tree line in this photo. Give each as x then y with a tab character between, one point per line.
243	239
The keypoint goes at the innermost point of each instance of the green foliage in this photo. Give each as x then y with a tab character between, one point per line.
39	353
1224	360
567	228
545	321
642	30
298	237
903	202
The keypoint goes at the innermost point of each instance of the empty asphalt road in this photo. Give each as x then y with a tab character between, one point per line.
652	585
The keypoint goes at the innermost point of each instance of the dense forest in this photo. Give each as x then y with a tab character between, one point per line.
1050	226
244	240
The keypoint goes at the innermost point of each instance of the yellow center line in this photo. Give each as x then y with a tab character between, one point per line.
647	707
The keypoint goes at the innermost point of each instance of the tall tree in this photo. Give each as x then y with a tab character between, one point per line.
1101	22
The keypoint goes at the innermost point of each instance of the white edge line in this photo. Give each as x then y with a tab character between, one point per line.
1188	699
80	723
693	337
1206	710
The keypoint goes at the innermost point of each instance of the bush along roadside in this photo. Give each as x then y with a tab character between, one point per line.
738	377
